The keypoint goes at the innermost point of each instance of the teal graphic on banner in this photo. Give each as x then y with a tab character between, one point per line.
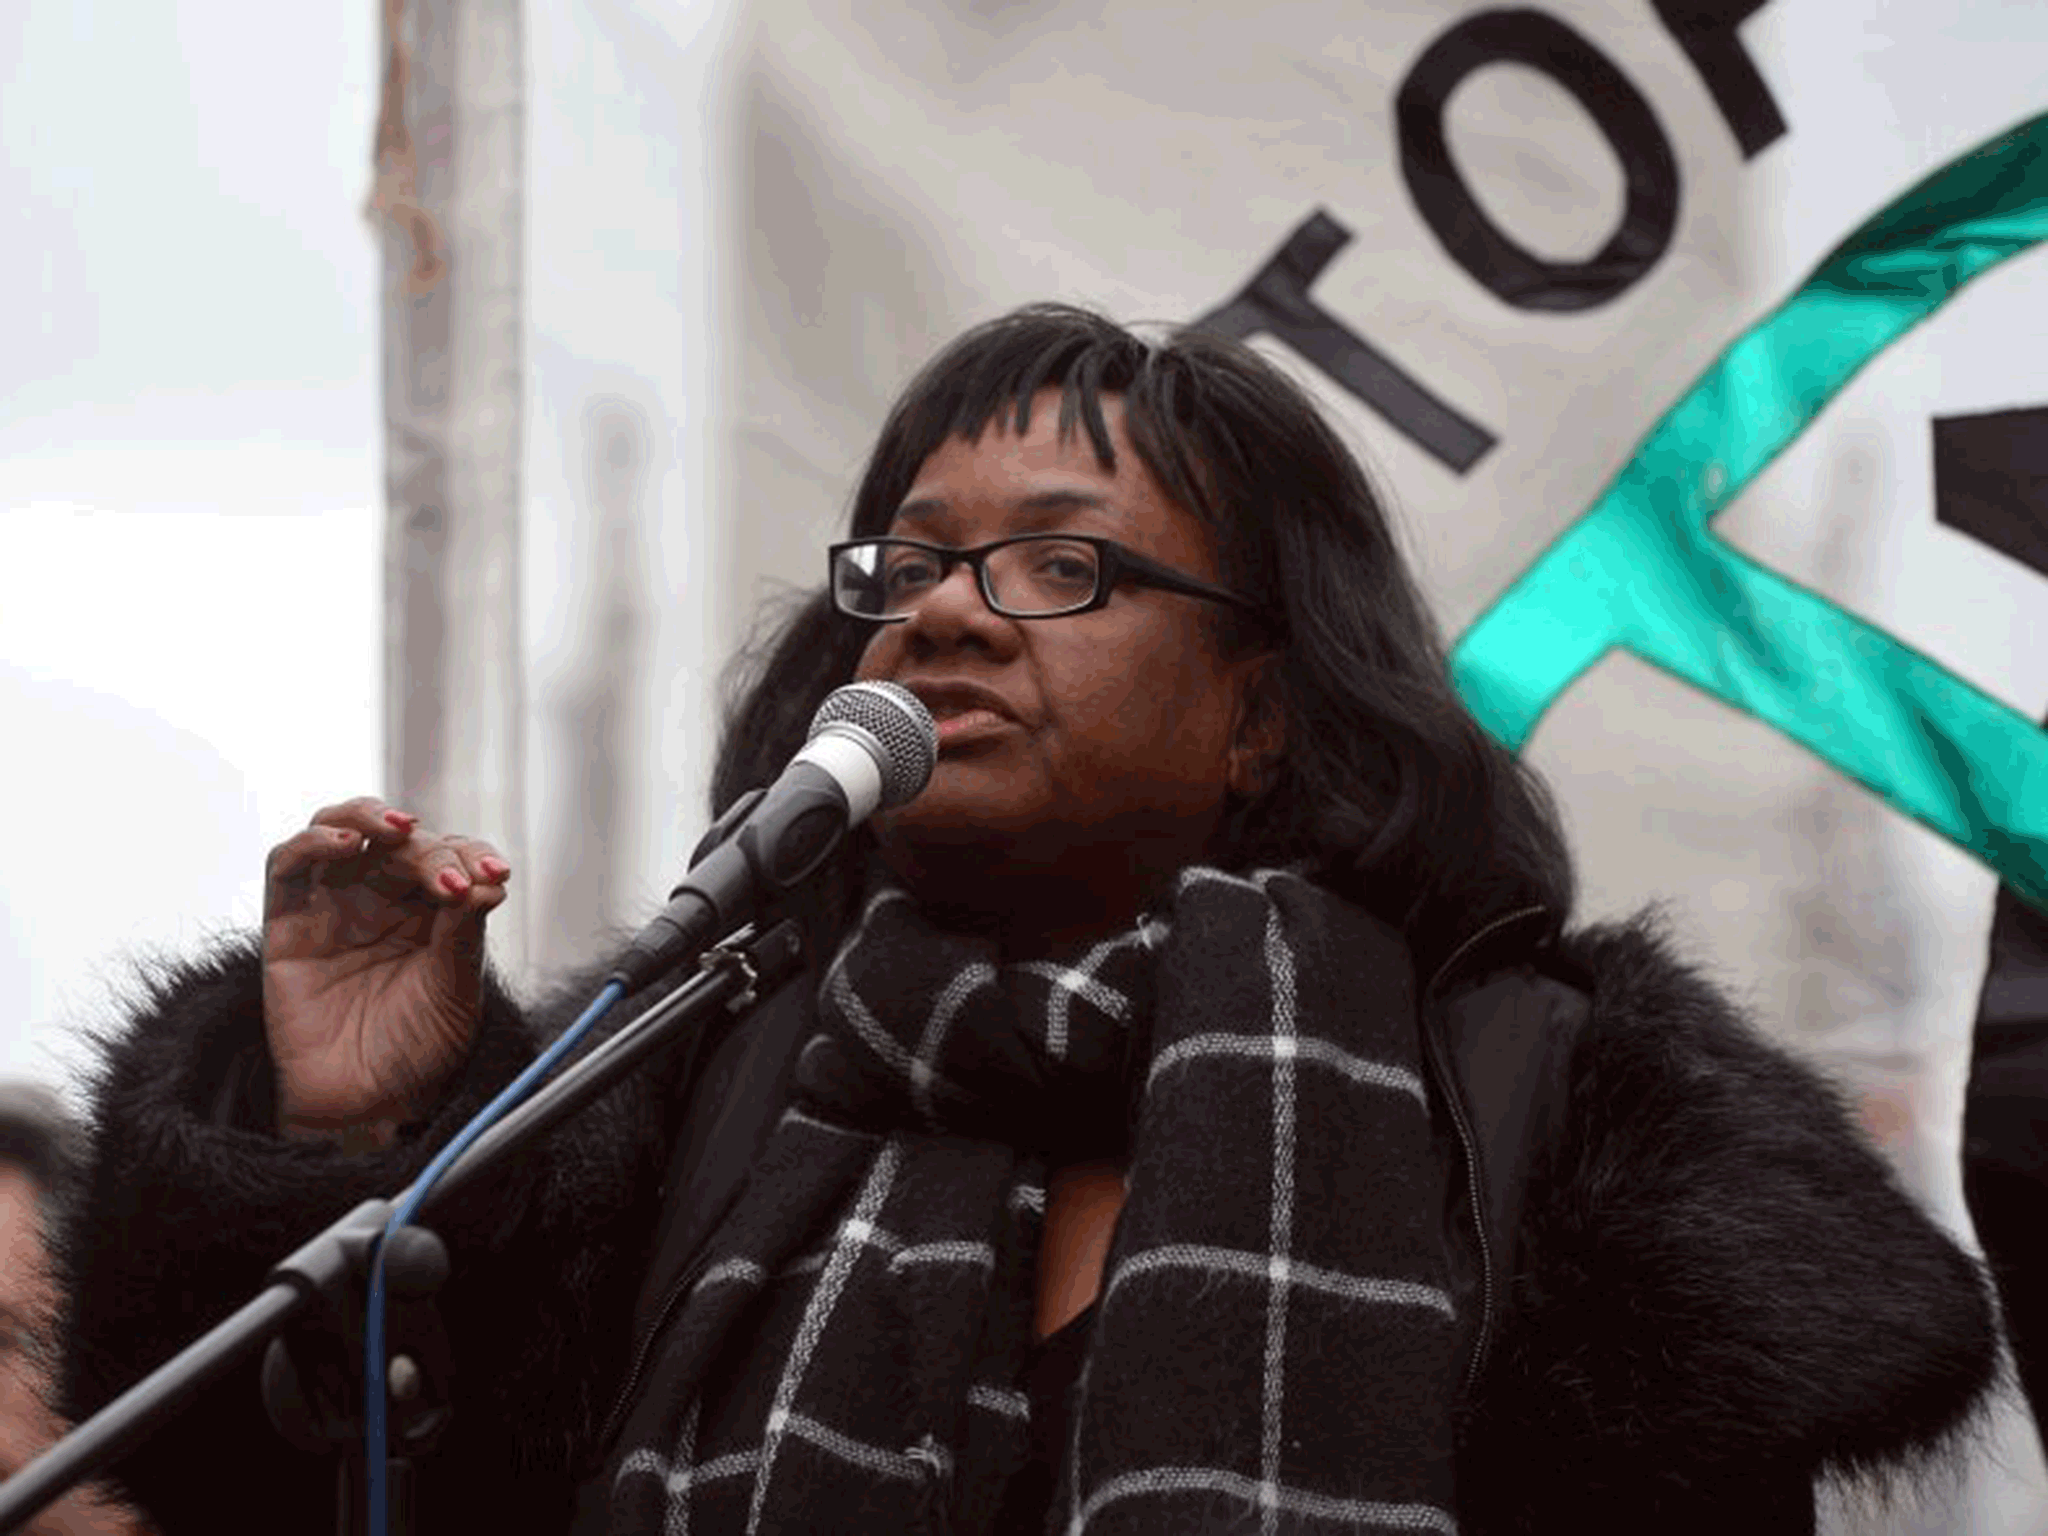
1641	570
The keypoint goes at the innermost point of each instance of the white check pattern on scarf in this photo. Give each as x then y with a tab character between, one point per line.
1176	1298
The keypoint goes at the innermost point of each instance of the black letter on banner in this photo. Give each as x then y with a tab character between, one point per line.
1705	29
1520	277
1276	302
1991	482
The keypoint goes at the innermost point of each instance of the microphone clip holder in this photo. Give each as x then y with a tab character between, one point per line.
312	1371
734	953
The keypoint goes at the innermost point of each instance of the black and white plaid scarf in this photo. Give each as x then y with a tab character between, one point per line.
1273	1349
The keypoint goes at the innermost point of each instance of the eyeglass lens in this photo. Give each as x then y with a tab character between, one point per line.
1039	575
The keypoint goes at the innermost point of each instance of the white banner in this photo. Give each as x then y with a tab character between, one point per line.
1697	348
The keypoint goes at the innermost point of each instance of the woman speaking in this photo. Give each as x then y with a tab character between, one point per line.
1197	1116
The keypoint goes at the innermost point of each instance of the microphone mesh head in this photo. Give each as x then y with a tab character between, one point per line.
892	716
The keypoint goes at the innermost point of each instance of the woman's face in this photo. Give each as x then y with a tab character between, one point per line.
1100	745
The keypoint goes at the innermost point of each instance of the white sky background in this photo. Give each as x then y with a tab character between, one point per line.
189	472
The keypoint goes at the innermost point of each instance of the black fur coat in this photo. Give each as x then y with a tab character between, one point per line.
1715	1291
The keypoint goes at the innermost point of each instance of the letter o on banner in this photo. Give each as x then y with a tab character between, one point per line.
1517	275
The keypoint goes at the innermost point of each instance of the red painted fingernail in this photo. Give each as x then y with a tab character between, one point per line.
497	869
454	882
401	819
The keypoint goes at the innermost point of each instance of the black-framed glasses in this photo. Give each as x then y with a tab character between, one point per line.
1028	576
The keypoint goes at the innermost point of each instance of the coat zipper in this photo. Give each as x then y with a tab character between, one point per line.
1474	1194
615	1420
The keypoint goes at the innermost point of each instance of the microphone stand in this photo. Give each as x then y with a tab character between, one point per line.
327	1279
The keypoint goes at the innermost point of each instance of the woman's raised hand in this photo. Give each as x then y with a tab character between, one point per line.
373	949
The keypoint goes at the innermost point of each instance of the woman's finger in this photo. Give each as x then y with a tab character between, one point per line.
450	867
299	856
370	816
481	862
480	898
399	859
461	920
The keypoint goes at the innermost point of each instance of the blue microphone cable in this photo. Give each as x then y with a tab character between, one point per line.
374	1417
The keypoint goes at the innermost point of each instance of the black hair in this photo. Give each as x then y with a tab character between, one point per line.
1387	789
38	1136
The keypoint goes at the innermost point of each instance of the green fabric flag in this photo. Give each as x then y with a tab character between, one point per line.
1641	569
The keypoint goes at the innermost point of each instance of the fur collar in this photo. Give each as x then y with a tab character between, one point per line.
1717	1278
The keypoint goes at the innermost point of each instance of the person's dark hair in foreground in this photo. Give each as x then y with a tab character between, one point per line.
1199	1113
39	1137
39	1152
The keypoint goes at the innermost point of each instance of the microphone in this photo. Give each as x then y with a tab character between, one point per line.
870	745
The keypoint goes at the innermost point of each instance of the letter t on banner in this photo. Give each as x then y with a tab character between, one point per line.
1276	302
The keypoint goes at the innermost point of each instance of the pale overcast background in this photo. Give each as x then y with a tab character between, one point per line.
191	453
189	474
